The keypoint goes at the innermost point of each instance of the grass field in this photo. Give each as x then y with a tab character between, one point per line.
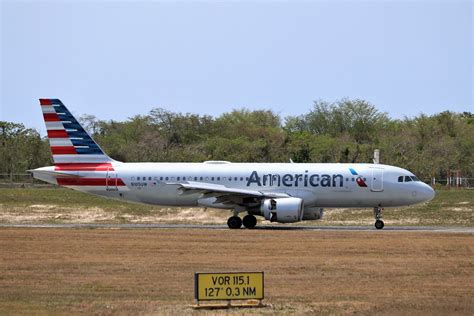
139	271
57	205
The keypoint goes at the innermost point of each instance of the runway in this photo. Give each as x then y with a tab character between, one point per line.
462	230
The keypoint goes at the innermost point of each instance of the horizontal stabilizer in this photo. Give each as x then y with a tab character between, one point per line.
54	174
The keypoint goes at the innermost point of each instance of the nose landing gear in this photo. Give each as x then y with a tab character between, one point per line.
379	224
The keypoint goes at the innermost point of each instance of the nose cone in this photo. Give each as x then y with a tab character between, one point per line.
426	193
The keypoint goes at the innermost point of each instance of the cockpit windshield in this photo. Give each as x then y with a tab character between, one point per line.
407	179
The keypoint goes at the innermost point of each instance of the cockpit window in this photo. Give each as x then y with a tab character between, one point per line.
407	178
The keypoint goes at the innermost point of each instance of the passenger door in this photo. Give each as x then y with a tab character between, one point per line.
377	179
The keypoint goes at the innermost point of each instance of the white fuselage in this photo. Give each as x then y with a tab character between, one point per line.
319	184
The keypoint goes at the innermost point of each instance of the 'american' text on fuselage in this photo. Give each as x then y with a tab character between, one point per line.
290	180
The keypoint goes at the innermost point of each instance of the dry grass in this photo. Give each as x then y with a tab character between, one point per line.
92	271
449	208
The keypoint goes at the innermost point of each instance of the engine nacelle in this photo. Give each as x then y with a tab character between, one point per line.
313	213
282	210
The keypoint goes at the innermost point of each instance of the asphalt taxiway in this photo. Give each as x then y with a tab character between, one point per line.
439	229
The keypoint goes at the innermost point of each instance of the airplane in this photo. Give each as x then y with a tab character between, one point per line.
278	192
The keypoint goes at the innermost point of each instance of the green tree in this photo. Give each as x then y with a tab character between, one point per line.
21	148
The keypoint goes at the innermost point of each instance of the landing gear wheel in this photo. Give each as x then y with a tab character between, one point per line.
379	224
378	217
234	222
250	221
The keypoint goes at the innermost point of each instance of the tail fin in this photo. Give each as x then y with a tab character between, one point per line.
70	143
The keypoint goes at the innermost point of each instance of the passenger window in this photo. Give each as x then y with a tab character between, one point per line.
161	178
241	178
179	178
218	178
212	178
400	179
200	178
407	179
195	178
166	178
149	178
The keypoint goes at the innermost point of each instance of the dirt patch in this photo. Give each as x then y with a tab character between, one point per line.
181	215
54	213
42	207
459	209
46	213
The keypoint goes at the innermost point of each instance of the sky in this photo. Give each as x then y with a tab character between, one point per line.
117	59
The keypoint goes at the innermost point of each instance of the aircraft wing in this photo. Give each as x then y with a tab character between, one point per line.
226	195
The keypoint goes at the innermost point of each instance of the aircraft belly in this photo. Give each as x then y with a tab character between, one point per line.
346	198
165	195
360	199
159	195
188	200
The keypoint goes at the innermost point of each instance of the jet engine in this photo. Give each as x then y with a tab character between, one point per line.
313	213
282	210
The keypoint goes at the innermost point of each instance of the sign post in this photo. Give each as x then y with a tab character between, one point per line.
229	286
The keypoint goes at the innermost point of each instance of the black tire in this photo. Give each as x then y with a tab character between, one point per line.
379	224
234	222
250	221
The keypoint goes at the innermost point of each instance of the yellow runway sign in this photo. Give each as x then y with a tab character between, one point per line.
229	286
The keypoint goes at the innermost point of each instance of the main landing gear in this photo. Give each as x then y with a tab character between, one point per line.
378	217
250	221
234	222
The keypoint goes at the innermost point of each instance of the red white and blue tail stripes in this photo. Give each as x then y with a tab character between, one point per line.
69	142
79	163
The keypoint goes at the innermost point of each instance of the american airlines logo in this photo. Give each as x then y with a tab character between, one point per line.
295	180
302	179
360	181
